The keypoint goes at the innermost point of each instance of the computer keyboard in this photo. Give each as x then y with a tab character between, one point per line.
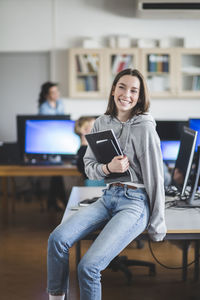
171	190
43	163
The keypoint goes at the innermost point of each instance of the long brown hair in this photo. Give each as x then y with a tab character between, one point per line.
143	103
45	91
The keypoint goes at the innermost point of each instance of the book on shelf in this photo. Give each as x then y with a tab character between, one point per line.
121	62
165	63
126	62
121	66
92	62
151	60
78	66
87	83
105	146
80	84
158	83
159	67
87	63
129	62
83	64
91	83
158	63
196	83
115	63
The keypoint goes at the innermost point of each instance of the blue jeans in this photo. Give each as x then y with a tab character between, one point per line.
125	213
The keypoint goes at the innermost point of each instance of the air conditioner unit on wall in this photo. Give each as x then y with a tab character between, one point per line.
168	9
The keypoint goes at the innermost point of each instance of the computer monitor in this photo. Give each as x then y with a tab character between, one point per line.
170	150
44	138
195	125
182	169
170	130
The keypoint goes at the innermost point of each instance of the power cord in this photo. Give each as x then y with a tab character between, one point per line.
163	265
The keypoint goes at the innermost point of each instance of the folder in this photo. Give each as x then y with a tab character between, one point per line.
105	146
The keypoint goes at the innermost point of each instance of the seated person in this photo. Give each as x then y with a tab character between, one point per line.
167	175
50	104
83	126
49	100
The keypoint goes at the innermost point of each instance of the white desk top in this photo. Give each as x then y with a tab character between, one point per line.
178	220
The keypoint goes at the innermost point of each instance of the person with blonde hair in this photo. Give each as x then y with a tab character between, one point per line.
84	126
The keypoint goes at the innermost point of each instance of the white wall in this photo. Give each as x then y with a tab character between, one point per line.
40	25
27	25
21	75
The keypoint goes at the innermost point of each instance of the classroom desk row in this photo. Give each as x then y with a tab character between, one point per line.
8	172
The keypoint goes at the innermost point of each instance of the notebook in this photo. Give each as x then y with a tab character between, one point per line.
105	146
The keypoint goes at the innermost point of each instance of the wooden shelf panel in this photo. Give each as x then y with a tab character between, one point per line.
169	65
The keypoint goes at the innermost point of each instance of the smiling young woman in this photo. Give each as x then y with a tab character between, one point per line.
126	95
125	208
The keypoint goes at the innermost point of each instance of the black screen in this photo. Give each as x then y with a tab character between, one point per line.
170	130
184	160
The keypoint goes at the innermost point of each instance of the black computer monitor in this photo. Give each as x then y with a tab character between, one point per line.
182	169
170	134
170	130
195	125
44	138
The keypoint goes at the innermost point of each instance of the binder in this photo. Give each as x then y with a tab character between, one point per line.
105	146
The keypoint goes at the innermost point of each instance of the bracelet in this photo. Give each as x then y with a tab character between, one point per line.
108	169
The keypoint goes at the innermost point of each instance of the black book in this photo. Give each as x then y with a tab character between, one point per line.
105	146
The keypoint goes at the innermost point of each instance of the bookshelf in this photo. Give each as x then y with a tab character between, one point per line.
118	60
170	72
188	72
158	69
86	73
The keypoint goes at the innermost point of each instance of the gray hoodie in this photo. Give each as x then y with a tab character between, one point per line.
140	143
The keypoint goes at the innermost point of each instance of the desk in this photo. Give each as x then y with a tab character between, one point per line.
182	224
11	171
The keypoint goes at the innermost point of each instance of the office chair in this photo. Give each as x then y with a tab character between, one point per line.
122	263
29	189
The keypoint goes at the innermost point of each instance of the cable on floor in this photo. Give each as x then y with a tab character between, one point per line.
163	265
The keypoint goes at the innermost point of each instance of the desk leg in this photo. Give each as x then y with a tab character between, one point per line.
4	202
196	264
38	191
78	252
185	259
13	195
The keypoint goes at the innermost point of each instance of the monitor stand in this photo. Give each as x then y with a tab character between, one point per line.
187	204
